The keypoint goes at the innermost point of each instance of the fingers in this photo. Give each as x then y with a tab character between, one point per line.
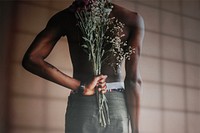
101	78
102	88
98	82
95	81
101	85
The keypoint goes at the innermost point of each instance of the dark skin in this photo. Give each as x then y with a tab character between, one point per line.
64	24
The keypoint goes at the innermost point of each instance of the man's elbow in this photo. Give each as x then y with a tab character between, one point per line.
28	61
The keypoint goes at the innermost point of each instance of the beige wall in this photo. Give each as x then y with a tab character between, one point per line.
170	68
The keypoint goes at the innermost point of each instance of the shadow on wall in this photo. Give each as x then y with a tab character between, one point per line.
6	26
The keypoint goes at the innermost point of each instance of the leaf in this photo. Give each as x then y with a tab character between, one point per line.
89	57
84	46
86	39
102	53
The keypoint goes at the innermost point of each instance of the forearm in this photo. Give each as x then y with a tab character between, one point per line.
47	71
132	91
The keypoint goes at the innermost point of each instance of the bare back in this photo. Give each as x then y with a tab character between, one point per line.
82	68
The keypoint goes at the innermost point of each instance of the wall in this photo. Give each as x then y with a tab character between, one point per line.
6	29
170	68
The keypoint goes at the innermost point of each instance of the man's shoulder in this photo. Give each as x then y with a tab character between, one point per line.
131	17
64	14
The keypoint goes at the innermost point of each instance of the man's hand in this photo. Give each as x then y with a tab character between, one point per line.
98	82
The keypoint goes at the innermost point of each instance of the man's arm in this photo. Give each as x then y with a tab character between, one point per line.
34	59
133	79
42	45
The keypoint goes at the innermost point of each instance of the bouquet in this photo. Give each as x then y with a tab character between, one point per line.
94	22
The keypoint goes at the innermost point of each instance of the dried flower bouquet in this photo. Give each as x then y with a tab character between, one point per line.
94	22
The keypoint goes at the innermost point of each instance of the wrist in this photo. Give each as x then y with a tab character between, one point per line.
85	89
81	88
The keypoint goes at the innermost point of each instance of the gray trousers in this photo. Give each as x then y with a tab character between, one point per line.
82	114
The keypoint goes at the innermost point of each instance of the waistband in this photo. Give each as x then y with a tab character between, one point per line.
112	86
115	86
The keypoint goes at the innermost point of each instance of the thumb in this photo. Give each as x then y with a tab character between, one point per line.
102	77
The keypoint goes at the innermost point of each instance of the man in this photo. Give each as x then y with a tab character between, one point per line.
81	116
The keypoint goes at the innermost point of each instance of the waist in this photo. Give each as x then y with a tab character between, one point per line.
111	86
